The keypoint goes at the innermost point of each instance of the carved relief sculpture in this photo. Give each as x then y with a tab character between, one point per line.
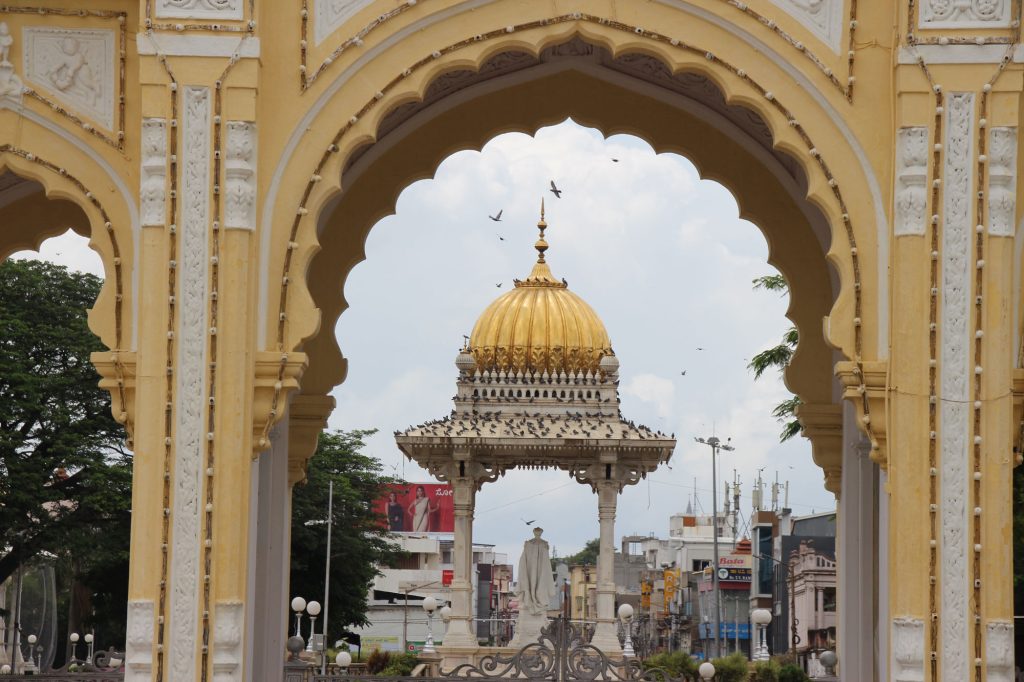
186	577
956	276
227	641
153	177
199	9
958	14
911	175
908	649
75	66
1002	182
139	642
823	18
240	175
10	85
330	14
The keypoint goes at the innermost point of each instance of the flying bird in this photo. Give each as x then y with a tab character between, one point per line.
700	349
615	160
498	285
500	238
528	523
683	373
554	190
496	218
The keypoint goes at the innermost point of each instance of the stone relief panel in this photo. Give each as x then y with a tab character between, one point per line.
823	18
908	650
955	369
958	14
11	87
227	641
186	573
139	642
1002	181
153	177
240	175
999	651
75	66
911	176
199	9
328	15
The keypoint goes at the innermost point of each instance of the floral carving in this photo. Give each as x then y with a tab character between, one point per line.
11	87
186	578
240	175
153	177
908	649
999	651
911	174
954	382
964	13
824	18
331	14
227	641
1002	183
199	9
139	642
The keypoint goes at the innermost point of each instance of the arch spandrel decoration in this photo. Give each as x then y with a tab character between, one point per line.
788	132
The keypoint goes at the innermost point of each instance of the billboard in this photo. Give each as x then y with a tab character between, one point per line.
418	508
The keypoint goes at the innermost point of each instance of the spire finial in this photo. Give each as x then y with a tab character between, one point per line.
541	245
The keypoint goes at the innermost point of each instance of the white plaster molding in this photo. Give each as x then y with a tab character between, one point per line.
198	9
1002	181
955	370
75	66
957	14
859	156
908	650
329	15
186	45
911	175
11	87
823	18
999	651
139	641
240	175
186	576
153	174
959	54
227	641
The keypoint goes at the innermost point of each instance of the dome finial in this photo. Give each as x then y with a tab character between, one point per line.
541	245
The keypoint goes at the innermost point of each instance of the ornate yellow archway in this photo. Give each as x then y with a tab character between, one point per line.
227	142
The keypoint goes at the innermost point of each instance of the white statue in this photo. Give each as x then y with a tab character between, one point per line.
535	589
6	40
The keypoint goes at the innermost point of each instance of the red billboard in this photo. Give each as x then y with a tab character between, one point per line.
418	508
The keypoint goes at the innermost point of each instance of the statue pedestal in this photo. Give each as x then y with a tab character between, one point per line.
528	627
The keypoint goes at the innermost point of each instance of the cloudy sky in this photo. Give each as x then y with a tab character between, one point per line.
659	254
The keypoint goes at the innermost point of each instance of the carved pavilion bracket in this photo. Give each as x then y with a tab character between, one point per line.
865	384
823	425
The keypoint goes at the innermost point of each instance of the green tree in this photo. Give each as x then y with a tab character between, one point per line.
585	557
778	357
360	537
65	476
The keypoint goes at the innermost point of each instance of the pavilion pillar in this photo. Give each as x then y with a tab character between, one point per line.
605	637
460	633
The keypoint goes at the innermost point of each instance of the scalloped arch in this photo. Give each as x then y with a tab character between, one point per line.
791	126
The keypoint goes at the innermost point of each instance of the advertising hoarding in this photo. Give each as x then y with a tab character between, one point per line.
418	508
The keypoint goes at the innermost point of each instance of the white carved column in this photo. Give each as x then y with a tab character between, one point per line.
605	637
460	633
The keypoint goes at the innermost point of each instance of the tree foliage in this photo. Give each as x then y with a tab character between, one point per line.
778	357
65	477
585	557
359	538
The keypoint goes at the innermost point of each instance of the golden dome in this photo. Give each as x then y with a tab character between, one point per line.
539	325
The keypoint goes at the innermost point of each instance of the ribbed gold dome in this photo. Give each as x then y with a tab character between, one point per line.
539	325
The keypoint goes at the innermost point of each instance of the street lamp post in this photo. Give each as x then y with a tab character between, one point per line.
313	609
715	445
626	616
761	618
794	622
429	605
327	569
298	606
33	651
74	646
89	637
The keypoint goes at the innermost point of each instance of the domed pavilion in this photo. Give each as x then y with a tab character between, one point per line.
537	388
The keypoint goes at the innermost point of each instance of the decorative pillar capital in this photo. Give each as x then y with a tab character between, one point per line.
117	376
865	384
823	425
307	418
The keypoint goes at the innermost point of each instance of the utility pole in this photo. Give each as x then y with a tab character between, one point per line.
327	571
716	445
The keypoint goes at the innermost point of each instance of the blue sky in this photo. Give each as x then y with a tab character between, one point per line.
660	255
